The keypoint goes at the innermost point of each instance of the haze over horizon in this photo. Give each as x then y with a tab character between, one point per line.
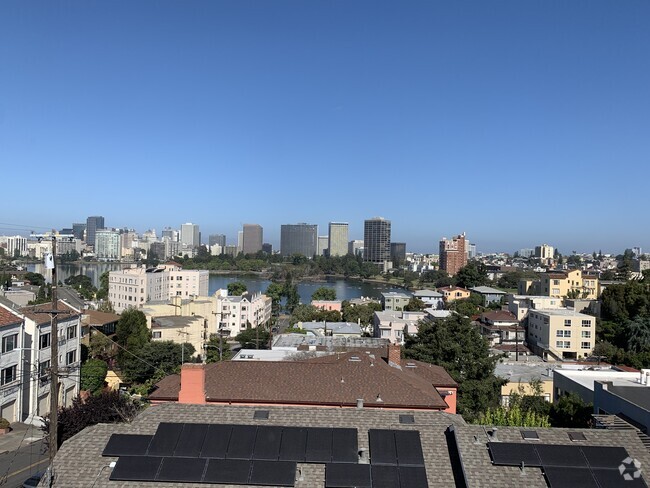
519	123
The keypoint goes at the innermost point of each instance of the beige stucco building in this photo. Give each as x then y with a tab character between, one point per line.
561	333
562	284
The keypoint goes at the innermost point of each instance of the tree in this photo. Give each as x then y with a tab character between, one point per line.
93	375
236	288
35	279
456	345
102	293
131	333
275	292
324	293
251	338
293	299
359	313
513	415
571	411
156	357
108	407
105	306
212	349
468	306
415	305
99	345
472	274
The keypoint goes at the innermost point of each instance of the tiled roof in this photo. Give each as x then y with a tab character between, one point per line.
498	316
335	380
9	318
44	318
80	458
95	317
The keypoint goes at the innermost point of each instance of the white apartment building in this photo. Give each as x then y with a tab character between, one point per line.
13	370
558	334
133	287
37	358
14	245
250	310
107	245
394	325
520	305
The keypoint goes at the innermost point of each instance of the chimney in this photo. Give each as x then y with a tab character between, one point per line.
192	384
394	354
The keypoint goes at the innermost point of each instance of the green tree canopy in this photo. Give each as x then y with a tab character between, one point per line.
35	279
154	357
102	293
236	288
359	313
324	293
571	411
131	333
257	338
93	375
212	351
415	305
472	274
456	345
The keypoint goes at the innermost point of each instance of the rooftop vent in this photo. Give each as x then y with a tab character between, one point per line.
261	415
354	359
406	419
411	365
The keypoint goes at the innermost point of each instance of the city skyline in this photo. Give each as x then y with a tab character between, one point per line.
528	119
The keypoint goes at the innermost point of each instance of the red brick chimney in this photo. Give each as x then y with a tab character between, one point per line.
394	354
192	384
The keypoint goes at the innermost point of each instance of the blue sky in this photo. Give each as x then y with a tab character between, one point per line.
517	122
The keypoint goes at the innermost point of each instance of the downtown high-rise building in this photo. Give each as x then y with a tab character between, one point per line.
78	231
376	240
321	248
398	252
453	254
93	224
190	236
108	244
218	239
337	243
252	238
299	239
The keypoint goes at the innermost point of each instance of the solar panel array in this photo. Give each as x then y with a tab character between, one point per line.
571	465
266	455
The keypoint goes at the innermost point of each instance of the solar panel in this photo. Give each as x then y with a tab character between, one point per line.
273	473
384	476
136	468
181	469
566	477
409	448
612	478
512	454
319	445
345	446
347	475
267	443
570	456
382	447
242	441
604	457
293	444
191	440
226	471
127	445
216	441
412	477
165	439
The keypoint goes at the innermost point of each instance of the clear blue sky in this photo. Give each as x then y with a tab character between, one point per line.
518	122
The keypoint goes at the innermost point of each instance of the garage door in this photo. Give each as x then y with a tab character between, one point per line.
8	411
43	404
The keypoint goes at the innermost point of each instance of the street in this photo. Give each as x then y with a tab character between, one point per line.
17	466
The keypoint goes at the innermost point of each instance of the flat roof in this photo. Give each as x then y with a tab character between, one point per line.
292	341
587	377
566	312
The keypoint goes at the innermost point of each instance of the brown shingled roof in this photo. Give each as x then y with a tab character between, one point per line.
96	317
44	318
8	318
336	380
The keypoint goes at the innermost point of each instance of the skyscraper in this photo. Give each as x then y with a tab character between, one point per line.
338	239
107	244
322	248
92	225
298	239
78	231
252	238
190	236
452	254
376	240
217	239
398	252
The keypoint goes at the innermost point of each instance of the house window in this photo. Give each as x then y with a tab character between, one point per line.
9	343
586	323
556	282
556	291
563	333
586	334
157	335
567	322
563	344
72	332
8	375
70	357
585	345
44	341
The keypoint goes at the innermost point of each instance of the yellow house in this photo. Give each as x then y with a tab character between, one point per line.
571	284
451	293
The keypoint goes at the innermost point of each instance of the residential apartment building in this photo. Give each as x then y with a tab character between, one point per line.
394	300
15	246
133	287
453	254
92	225
337	243
299	239
252	237
544	252
451	293
502	330
190	330
520	305
376	242
107	245
14	371
431	298
395	324
250	310
569	284
559	334
190	236
489	294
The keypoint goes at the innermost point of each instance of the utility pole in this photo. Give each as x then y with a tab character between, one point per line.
54	358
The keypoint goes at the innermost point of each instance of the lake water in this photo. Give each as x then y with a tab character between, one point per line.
345	289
